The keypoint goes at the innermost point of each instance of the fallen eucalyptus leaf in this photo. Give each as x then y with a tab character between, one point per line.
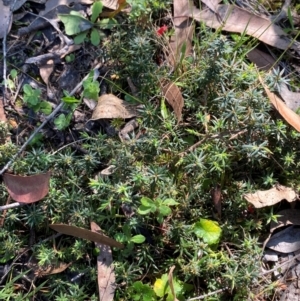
86	234
180	43
28	189
110	106
234	19
263	198
290	116
5	19
285	241
106	275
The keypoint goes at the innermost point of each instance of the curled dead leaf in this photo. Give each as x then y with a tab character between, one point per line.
263	198
86	234
27	189
110	106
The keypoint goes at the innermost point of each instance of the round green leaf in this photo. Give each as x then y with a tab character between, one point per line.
138	239
164	210
208	230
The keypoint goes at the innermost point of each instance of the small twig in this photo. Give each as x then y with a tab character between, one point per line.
209	294
279	266
10	206
57	109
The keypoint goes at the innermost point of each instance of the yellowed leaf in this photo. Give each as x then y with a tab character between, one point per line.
110	106
263	198
106	275
289	115
86	234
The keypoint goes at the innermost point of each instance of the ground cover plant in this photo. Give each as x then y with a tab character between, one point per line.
158	142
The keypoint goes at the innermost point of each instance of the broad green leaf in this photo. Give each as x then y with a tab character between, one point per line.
147	202
75	23
45	107
96	10
164	210
80	37
95	37
143	292
208	230
170	202
138	239
27	89
143	210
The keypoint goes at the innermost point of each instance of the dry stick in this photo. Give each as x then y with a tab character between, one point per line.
207	295
4	51
279	266
57	109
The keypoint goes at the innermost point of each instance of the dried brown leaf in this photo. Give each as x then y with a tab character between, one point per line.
183	31
292	99
110	106
51	269
86	234
261	59
46	70
106	275
216	195
5	19
212	4
27	189
290	116
234	19
263	198
173	96
171	284
285	241
286	217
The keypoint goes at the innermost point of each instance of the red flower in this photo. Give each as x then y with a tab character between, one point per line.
160	31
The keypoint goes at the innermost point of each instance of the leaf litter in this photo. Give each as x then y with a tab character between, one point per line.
219	16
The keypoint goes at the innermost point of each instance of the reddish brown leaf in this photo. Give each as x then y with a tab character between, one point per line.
173	96
216	195
106	275
289	115
86	234
27	189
